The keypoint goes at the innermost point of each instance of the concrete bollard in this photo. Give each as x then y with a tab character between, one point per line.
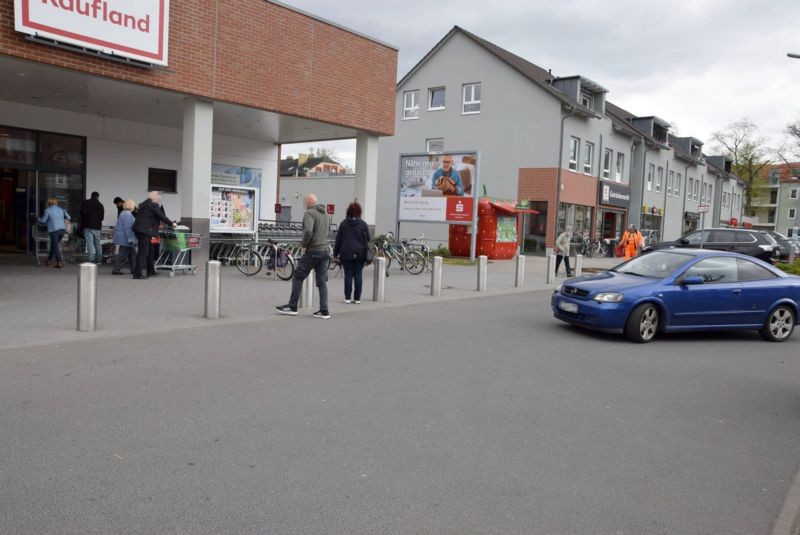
307	292
519	279
436	277
550	278
87	297
379	280
483	263
578	265
213	288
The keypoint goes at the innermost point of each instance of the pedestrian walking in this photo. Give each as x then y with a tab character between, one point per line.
120	204
632	242
352	239
125	238
56	219
316	256
562	250
145	227
92	215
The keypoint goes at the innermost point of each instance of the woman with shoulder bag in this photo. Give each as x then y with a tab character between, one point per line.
56	219
352	239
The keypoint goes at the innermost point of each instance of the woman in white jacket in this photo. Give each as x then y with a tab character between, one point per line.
562	250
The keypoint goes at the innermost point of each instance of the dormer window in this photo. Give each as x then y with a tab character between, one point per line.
588	94
696	150
660	133
587	99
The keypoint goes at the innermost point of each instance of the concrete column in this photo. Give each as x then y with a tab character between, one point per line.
195	177
366	190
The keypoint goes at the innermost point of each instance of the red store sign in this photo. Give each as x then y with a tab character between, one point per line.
136	30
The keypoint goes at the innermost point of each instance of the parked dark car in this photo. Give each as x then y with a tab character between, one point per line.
748	242
785	245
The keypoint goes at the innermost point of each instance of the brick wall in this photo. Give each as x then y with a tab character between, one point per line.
253	53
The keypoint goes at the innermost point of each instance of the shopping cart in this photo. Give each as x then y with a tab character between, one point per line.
175	247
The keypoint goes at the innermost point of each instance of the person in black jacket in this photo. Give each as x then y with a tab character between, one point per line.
352	239
145	227
92	214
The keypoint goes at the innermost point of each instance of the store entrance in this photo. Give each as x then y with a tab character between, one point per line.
17	204
610	224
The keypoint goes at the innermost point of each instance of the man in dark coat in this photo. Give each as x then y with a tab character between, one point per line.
92	215
145	227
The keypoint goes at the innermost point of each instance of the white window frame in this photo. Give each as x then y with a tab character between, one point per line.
472	101
431	90
651	171
414	108
696	189
574	150
677	189
619	170
428	145
609	154
792	213
670	182
588	150
589	96
659	179
793	193
689	188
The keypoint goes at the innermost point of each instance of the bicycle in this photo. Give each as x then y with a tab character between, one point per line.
418	244
250	260
411	261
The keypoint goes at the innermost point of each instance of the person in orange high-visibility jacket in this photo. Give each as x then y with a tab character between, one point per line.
632	242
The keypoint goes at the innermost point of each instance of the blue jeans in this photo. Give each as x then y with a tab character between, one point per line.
353	274
55	245
93	247
318	261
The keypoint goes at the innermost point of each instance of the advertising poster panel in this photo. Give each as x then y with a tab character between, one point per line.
136	30
233	209
438	188
235	175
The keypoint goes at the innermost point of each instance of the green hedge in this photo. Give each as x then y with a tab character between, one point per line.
792	269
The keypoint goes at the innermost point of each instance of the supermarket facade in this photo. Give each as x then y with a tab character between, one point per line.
183	97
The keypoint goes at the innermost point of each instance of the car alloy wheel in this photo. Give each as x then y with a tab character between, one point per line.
642	325
779	324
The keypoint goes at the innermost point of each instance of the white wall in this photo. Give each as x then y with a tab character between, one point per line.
118	154
339	191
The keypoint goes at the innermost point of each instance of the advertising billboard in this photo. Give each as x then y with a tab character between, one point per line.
438	188
235	175
233	209
136	30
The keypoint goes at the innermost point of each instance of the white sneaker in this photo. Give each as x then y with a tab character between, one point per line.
346	301
357	302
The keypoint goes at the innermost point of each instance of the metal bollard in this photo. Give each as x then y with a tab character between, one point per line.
307	293
550	278
379	280
519	279
87	297
436	277
578	265
213	288
483	262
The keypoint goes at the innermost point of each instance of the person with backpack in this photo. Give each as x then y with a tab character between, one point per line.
56	219
352	239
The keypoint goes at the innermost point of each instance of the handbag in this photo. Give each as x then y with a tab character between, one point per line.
369	257
619	250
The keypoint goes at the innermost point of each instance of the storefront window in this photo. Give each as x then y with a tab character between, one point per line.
651	222
62	152
17	146
574	215
67	188
535	226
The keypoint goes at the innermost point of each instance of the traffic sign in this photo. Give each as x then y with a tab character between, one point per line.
703	208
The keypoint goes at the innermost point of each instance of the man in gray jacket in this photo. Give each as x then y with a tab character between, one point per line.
316	256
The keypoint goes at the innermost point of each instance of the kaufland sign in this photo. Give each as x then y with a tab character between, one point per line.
135	29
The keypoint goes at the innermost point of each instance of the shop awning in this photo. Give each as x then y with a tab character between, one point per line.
510	207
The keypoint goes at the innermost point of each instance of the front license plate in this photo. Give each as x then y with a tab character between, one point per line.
572	308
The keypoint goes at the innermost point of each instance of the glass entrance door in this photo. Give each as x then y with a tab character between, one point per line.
17	209
66	188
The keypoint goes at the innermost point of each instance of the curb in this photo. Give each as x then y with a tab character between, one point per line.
788	522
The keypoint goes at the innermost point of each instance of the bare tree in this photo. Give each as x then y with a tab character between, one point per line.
792	145
748	150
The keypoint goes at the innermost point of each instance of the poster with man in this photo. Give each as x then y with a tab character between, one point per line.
437	187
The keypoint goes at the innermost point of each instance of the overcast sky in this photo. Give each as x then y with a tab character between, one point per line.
699	64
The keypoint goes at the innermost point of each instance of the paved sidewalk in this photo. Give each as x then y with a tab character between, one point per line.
38	305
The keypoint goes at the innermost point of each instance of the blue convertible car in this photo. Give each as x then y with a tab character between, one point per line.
683	290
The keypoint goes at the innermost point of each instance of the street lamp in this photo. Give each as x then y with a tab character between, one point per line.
795	237
795	56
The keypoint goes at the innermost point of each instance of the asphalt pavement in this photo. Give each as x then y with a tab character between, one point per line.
464	416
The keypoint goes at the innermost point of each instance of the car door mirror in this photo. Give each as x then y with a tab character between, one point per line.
692	280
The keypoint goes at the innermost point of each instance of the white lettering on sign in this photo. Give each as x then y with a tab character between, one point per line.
136	30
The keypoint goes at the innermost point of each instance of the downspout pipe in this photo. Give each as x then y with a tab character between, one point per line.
685	190
560	164
664	215
600	163
644	180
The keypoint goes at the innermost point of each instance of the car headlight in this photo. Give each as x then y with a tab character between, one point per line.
608	298
557	290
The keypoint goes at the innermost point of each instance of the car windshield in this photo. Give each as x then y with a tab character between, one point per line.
778	235
656	265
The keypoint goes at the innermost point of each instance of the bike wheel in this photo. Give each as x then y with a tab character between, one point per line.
286	271
415	262
249	262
